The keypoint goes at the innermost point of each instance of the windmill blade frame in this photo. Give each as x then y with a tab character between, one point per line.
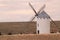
36	14
33	8
41	9
33	18
53	22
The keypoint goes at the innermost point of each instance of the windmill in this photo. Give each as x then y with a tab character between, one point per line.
43	20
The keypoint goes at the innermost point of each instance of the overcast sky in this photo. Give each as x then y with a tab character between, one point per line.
19	10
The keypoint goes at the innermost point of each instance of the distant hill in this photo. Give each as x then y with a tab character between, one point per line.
24	27
17	27
55	28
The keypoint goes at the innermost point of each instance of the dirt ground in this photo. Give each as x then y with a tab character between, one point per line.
31	37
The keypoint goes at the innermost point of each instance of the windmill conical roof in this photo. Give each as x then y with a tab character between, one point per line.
44	15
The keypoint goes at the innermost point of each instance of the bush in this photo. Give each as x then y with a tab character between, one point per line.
9	33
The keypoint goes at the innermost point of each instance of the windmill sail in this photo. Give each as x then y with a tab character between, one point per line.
53	22
33	8
36	14
41	9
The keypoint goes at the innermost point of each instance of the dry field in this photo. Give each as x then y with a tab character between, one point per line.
31	37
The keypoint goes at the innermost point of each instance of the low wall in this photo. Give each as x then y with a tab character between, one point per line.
31	37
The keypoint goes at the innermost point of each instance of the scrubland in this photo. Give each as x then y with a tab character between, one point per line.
30	37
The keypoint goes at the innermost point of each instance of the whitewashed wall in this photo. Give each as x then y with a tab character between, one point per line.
43	25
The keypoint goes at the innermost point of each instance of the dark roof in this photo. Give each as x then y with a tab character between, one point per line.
44	15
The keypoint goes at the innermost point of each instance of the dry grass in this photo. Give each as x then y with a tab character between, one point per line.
31	37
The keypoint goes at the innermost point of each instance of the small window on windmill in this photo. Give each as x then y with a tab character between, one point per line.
38	25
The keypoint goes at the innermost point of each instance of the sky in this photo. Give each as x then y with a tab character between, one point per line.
19	10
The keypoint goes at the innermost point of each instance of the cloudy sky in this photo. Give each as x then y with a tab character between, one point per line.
19	10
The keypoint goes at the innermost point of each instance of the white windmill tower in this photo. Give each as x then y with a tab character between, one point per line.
43	21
